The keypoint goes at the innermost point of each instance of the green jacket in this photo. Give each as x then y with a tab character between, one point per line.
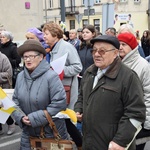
107	108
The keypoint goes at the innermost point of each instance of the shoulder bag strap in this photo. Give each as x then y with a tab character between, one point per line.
52	125
10	82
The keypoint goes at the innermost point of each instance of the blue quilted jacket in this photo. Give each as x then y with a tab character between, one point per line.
42	89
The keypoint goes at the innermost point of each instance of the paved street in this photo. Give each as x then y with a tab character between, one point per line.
10	142
147	146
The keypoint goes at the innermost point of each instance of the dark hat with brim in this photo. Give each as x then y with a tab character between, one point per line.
31	45
108	39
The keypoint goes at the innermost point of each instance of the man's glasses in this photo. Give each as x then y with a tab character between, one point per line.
31	57
101	51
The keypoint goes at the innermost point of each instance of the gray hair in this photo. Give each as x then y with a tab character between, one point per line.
73	30
7	34
126	28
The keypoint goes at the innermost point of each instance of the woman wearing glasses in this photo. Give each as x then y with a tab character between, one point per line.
37	88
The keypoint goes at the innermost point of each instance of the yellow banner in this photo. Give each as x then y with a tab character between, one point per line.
9	110
2	94
71	114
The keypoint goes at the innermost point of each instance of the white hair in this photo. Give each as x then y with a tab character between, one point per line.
7	34
126	28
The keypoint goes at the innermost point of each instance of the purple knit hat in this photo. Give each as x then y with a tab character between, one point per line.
37	33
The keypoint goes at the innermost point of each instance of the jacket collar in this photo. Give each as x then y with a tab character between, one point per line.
112	71
6	44
38	71
56	46
131	56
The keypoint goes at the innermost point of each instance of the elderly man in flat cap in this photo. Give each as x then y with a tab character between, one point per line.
37	88
111	109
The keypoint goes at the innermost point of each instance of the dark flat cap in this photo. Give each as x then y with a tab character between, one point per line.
31	45
108	39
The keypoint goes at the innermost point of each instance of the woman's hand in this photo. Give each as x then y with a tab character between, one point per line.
26	120
79	116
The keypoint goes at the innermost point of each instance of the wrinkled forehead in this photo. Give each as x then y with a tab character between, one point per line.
101	44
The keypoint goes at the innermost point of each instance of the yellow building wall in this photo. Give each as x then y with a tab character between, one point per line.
139	20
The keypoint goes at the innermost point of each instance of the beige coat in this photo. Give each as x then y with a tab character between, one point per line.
137	63
5	72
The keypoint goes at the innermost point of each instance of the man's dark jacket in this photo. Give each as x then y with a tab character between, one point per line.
107	108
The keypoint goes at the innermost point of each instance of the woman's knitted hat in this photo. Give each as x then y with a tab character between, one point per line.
37	33
129	39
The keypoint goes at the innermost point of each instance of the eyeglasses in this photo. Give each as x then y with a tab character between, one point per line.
101	51
31	57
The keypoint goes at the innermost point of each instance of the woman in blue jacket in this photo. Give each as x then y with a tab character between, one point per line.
37	88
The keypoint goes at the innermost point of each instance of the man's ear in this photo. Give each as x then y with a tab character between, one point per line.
116	52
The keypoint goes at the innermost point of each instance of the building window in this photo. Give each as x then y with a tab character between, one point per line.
71	3
123	1
97	24
94	1
72	24
83	2
97	1
137	1
84	22
58	3
51	3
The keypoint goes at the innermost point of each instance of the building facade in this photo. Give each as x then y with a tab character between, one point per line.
76	15
18	16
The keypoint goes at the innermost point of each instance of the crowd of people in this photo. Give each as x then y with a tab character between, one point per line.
108	77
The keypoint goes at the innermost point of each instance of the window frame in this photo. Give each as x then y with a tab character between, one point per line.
83	22
72	24
51	4
96	25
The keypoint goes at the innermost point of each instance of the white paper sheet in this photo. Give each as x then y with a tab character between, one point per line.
58	64
7	103
3	117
